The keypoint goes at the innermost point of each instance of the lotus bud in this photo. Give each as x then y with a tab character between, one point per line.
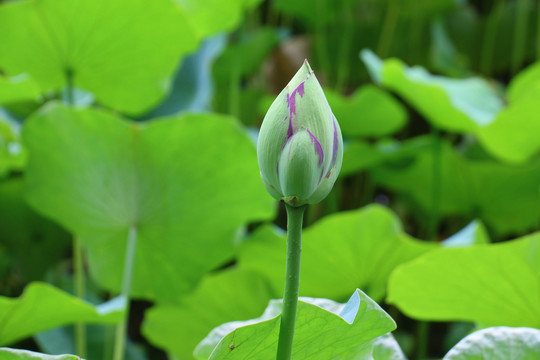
300	148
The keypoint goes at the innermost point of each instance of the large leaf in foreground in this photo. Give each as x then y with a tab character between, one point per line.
488	284
356	249
226	296
15	354
42	307
498	343
320	326
185	183
457	105
123	51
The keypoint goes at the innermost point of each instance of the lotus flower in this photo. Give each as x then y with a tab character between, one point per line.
300	148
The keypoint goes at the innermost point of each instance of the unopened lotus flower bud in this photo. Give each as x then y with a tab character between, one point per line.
300	148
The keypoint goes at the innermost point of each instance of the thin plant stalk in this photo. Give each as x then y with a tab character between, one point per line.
538	32
321	50
490	37
422	333
295	217
234	90
433	226
520	36
344	47
109	342
436	186
235	77
70	90
79	281
79	285
388	29
121	329
415	40
368	190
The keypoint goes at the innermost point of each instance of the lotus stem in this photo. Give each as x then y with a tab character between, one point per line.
121	329
295	216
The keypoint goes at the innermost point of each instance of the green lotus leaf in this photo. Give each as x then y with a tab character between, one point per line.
360	248
320	325
42	307
15	354
100	176
493	285
498	343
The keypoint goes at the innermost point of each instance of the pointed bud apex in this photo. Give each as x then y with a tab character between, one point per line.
300	148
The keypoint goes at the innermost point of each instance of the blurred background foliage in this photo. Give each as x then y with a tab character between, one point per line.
438	105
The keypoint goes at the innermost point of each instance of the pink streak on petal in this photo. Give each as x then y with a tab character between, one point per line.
291	102
318	147
335	144
334	149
